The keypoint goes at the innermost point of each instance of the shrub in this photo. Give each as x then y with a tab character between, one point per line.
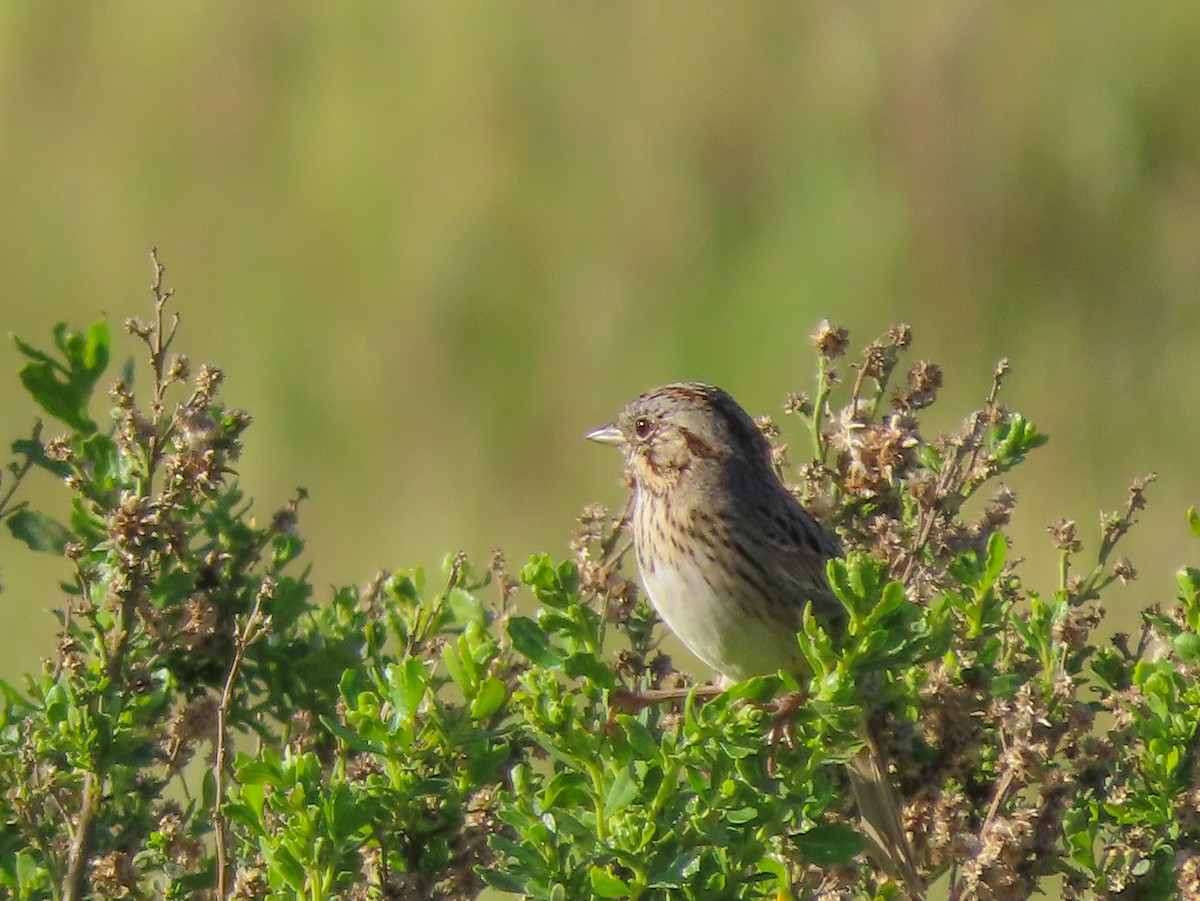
205	728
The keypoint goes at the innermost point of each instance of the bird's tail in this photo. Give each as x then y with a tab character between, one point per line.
879	811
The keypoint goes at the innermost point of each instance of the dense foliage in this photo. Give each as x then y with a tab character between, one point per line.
205	728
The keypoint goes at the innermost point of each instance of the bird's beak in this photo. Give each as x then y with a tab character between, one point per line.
608	434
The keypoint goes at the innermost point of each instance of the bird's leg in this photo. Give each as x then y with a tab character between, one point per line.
781	730
621	700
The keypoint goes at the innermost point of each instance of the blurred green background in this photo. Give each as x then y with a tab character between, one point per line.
433	244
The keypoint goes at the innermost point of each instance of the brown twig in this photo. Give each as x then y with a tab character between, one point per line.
80	851
256	626
961	462
162	338
624	701
79	856
18	473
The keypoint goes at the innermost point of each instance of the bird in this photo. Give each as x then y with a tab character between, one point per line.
730	559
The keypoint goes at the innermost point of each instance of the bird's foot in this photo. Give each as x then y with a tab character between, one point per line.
782	731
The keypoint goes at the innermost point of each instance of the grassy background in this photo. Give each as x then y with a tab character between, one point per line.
433	244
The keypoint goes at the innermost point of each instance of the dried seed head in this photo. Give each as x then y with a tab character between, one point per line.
170	823
199	624
180	369
1188	869
924	381
766	425
878	360
590	529
1124	571
120	394
798	404
831	341
1137	490
779	457
499	570
900	335
59	450
303	735
131	527
113	875
250	885
629	665
208	379
1063	534
1113	526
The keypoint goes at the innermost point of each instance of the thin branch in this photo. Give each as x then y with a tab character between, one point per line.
79	855
256	626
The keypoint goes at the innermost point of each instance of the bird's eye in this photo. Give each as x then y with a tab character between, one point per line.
641	426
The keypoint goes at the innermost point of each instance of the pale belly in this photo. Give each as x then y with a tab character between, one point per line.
733	641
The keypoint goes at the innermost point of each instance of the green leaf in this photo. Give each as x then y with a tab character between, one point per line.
741	816
259	772
623	790
171	588
606	885
1187	646
489	699
531	642
997	553
1189	580
1005	685
453	660
289	601
39	531
61	390
929	457
36	355
87	353
891	599
551	585
284	863
504	881
284	549
830	844
30	874
586	665
567	787
407	683
464	606
1015	438
839	580
641	739
353	740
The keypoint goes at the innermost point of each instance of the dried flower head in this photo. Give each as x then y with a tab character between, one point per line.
1124	570
900	335
798	404
830	341
1062	531
924	381
767	427
113	875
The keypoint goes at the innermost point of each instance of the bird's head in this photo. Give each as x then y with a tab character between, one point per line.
685	430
